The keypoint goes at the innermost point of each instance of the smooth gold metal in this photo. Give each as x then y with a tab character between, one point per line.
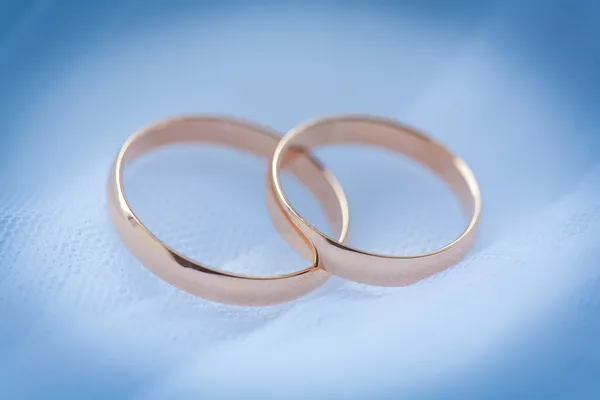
362	266
205	281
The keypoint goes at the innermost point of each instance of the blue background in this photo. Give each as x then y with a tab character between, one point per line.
512	86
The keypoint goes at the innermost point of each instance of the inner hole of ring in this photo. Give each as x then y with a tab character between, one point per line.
208	202
397	206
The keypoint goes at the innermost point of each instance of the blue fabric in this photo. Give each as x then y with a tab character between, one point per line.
512	86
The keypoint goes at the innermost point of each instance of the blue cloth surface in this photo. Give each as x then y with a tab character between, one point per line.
512	86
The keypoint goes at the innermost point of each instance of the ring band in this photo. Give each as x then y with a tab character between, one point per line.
362	266
202	280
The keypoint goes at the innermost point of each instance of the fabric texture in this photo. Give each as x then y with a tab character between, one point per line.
518	318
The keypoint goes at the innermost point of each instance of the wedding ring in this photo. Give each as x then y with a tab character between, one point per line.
362	266
200	279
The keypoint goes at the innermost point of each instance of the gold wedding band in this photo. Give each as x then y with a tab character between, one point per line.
362	266
202	280
292	152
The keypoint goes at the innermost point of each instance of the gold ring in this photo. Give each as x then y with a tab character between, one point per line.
202	280
362	266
